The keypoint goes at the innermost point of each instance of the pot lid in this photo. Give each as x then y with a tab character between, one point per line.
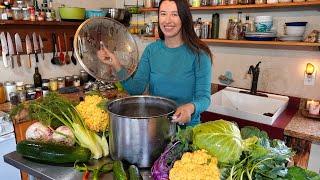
115	37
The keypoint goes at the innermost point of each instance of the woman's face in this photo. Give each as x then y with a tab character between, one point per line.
169	20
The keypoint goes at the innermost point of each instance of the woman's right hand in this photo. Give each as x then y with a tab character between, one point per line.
109	58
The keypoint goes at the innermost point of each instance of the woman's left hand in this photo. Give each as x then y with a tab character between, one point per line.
183	113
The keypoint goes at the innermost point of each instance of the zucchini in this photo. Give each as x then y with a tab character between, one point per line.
118	171
52	153
134	173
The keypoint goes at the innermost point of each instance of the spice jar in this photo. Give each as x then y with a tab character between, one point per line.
9	86
20	86
14	98
26	14
68	81
2	94
76	81
45	83
53	84
31	94
45	91
61	82
84	77
38	92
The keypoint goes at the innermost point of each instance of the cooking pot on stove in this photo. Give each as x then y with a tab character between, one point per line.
140	128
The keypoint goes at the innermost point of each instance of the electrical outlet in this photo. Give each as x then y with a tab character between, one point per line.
309	80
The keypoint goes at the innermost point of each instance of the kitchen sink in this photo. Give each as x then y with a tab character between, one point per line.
233	102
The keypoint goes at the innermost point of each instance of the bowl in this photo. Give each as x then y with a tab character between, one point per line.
263	23
72	13
95	13
296	23
295	30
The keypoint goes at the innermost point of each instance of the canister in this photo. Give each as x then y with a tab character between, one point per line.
76	81
45	91
14	98
17	13
10	86
3	97
84	77
68	81
45	83
53	84
20	86
26	14
61	82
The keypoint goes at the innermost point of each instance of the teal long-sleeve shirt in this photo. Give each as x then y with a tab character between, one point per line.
174	73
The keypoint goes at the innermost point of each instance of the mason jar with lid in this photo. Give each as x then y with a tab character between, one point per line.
53	84
61	82
14	98
10	86
68	81
45	91
20	86
31	94
45	83
22	95
76	81
84	77
26	14
3	97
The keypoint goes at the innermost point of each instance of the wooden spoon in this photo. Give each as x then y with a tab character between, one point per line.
66	57
61	55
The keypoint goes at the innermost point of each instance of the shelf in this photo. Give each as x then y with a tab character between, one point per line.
245	42
39	23
274	43
248	6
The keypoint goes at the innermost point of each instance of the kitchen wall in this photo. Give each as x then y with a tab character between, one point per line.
282	68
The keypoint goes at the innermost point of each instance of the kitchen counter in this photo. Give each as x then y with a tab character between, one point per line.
303	128
51	172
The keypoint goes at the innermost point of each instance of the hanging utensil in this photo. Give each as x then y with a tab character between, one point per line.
66	57
61	55
11	49
35	46
73	59
41	47
55	59
4	49
19	49
29	48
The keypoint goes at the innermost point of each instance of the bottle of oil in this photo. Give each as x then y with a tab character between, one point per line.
215	26
37	78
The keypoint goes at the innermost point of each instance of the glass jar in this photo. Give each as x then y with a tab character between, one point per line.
84	77
45	83
45	91
68	81
53	84
17	13
148	3
14	98
22	95
31	94
76	81
61	82
26	14
260	1
20	86
29	86
10	86
38	92
2	94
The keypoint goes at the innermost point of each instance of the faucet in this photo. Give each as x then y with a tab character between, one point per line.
254	70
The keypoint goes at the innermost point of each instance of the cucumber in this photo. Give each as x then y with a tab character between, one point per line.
134	173
118	171
52	153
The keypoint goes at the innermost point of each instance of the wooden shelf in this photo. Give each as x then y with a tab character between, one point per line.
274	43
248	6
246	42
40	23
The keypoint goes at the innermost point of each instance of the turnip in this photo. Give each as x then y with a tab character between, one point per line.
39	132
63	135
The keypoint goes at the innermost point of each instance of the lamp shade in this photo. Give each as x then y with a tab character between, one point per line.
309	69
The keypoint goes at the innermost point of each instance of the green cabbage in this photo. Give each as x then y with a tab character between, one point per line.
221	139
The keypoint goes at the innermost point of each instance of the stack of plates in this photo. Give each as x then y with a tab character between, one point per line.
290	38
260	36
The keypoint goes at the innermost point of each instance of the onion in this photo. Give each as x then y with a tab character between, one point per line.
38	131
63	135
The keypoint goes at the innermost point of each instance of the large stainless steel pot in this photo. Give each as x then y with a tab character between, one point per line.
140	128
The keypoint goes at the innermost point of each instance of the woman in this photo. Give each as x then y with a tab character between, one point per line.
178	66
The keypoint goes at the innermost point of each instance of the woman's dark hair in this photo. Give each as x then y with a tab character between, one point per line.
189	36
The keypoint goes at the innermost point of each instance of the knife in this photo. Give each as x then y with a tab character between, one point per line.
35	46
19	49
11	49
41	47
4	49
29	48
